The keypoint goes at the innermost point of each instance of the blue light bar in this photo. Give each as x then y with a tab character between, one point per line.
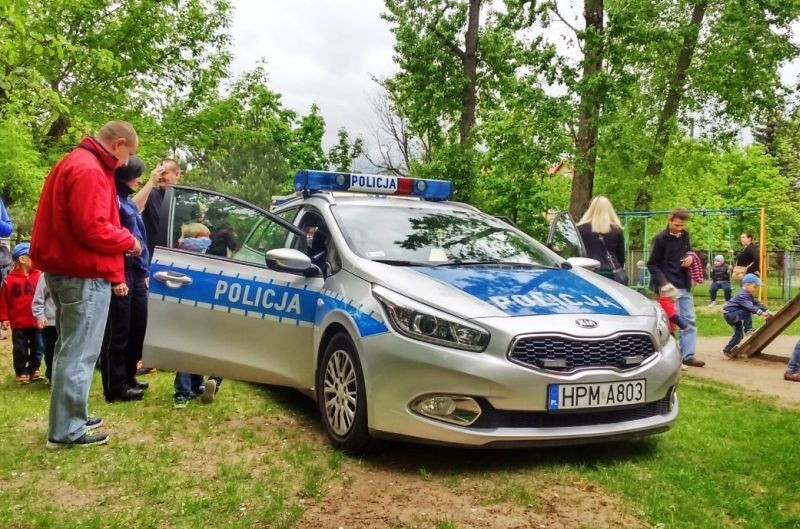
373	184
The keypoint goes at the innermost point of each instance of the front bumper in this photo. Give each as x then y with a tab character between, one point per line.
513	398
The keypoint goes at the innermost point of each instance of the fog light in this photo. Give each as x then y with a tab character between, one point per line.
454	409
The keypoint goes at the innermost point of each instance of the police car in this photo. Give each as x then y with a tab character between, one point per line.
406	316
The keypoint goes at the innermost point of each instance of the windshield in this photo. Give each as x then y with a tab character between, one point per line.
425	236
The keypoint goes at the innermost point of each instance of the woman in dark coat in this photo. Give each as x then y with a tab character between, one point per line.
603	238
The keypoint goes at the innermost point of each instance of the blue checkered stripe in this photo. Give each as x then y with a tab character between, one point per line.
249	296
368	323
263	298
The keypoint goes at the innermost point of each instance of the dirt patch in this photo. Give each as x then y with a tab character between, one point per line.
370	498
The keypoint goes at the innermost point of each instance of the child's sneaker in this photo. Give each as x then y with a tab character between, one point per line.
37	376
180	403
23	379
209	391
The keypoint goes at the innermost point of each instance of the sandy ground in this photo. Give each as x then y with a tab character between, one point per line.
761	374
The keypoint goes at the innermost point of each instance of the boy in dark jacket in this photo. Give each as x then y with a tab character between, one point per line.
15	313
738	312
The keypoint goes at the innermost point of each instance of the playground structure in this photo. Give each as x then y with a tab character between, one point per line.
713	233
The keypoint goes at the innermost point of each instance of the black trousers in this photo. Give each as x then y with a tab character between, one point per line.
50	337
124	337
26	350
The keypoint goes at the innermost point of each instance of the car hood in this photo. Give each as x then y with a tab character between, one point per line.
492	291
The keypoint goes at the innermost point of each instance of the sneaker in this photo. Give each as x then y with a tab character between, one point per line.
23	379
712	303
748	332
180	403
728	354
692	361
37	376
145	371
93	422
684	368
792	377
89	438
207	396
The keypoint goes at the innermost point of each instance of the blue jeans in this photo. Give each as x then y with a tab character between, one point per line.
794	361
81	313
685	306
188	385
741	320
725	286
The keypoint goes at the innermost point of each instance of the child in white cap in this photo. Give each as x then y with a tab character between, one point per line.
720	280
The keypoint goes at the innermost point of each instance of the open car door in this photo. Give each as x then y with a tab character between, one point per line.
564	238
215	305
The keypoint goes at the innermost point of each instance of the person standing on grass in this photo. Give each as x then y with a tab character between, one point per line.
43	309
80	245
6	227
748	256
670	262
127	317
16	297
738	312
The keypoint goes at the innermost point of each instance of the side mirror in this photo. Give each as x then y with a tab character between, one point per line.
584	262
292	261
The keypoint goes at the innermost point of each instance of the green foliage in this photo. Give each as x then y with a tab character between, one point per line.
344	153
21	166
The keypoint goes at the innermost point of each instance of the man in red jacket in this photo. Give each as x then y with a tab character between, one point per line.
79	244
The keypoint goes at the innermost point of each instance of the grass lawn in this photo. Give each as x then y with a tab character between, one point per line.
256	458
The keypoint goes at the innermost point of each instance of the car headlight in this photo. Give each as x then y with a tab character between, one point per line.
662	325
420	322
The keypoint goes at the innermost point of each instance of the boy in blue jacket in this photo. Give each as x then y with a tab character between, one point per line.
738	311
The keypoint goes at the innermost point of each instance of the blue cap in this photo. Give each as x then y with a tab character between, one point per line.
23	248
751	278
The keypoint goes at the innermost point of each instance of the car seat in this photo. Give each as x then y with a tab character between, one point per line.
319	249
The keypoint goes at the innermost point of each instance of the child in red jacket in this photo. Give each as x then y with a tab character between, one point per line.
16	297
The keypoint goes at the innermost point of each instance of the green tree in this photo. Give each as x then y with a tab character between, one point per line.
342	156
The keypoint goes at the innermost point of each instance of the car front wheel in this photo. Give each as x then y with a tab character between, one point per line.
341	397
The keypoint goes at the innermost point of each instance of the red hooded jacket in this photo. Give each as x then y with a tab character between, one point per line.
77	232
16	297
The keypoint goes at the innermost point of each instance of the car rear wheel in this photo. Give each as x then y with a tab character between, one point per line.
341	397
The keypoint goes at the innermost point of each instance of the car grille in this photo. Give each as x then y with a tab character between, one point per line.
564	353
493	418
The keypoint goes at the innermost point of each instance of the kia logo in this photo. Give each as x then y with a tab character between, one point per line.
586	324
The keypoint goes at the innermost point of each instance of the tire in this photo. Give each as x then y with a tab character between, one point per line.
341	396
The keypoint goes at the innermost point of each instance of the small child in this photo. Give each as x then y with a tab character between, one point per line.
16	297
720	274
195	237
738	311
44	310
667	295
666	298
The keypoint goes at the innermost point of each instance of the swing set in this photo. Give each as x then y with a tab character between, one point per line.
713	233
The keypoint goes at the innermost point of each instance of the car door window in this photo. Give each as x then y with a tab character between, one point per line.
222	226
564	238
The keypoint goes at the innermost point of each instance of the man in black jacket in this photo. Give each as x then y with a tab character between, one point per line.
669	264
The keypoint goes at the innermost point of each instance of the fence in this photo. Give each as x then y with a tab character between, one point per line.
782	274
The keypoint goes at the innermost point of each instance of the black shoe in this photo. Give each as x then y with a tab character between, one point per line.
88	439
93	422
691	361
125	394
138	384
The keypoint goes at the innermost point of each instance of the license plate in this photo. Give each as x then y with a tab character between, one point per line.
595	395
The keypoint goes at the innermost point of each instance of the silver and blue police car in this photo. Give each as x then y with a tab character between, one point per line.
406	316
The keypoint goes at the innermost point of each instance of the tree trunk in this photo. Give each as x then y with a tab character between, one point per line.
666	119
589	110
470	62
56	130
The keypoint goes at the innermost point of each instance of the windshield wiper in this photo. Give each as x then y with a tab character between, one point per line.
395	262
508	264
